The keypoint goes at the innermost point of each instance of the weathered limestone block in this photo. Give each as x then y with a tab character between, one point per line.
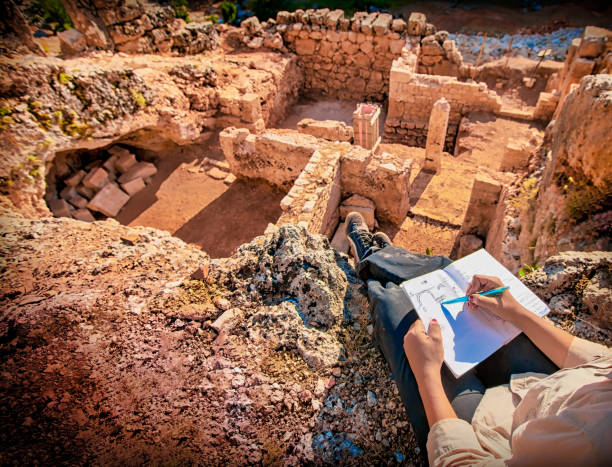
89	25
84	215
251	25
436	136
327	129
72	42
516	156
121	13
60	208
96	179
75	179
383	178
125	161
469	244
382	23
133	186
399	25
366	125
333	18
594	41
276	156
363	206
482	206
250	107
109	200
305	46
416	24
139	170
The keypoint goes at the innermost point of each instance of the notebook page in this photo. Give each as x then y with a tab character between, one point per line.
468	338
481	262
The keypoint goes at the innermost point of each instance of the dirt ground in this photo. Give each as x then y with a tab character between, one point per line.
185	201
472	17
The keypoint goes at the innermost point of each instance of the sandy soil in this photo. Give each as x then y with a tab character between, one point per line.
185	201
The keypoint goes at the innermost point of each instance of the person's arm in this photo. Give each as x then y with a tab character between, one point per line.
552	341
451	441
425	354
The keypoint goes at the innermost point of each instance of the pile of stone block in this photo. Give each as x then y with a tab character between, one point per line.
103	186
440	56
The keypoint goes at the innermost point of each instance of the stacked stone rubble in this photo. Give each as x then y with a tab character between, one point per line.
132	26
440	56
103	186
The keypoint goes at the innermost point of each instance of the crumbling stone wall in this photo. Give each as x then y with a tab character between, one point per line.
129	26
342	57
412	96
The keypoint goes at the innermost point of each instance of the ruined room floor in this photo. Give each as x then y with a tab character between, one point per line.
185	201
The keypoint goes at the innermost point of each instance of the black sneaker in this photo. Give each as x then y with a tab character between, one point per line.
381	240
358	235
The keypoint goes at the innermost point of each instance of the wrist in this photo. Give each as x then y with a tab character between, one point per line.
521	316
428	378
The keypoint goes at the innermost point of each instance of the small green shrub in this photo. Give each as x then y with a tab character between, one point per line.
53	13
139	98
429	251
527	192
229	11
64	78
585	199
528	269
181	9
214	19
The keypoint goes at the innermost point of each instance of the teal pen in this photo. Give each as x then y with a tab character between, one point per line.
489	293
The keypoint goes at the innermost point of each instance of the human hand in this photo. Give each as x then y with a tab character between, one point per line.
424	351
504	305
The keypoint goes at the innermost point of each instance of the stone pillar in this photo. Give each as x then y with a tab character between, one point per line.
366	126
436	135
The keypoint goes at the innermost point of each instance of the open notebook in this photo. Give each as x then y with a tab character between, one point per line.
468	337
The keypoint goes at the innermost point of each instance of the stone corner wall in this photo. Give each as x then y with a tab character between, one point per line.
412	96
341	57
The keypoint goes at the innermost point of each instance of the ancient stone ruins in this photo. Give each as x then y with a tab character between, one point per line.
175	280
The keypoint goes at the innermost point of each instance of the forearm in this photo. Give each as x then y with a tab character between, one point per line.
552	341
436	404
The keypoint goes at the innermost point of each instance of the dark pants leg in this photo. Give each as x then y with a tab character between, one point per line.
393	315
518	356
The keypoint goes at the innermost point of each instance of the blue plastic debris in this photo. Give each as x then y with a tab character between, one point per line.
399	456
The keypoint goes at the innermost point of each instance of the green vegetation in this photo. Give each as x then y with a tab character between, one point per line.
429	251
26	171
212	18
44	119
585	199
527	193
64	78
53	14
68	121
5	117
181	9
139	98
528	269
229	11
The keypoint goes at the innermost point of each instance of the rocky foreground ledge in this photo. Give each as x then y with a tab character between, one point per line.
126	345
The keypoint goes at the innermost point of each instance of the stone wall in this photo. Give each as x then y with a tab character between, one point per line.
341	57
412	96
131	26
276	156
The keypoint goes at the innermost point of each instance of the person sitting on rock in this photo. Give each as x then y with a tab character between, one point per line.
545	398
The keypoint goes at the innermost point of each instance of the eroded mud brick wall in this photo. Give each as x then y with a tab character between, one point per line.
341	57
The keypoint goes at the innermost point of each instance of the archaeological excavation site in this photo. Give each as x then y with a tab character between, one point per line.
177	287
